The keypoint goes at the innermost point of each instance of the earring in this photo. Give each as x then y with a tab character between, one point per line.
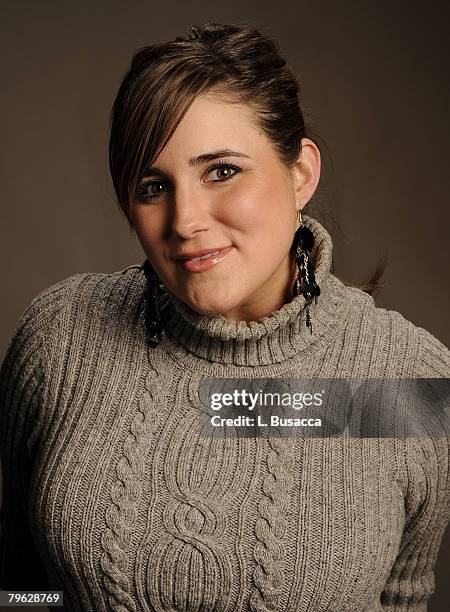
153	318
305	283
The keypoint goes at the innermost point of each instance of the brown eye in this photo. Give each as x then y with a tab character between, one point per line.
150	190
156	188
224	172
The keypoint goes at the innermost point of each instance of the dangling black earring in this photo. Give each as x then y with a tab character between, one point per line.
305	283
154	322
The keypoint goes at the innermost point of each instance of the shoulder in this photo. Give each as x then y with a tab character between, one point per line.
386	335
73	300
86	291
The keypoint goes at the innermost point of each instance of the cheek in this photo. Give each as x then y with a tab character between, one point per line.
147	228
260	217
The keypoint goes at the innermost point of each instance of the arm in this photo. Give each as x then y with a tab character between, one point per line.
22	386
411	582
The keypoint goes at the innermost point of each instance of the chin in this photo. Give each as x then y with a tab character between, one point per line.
211	307
209	310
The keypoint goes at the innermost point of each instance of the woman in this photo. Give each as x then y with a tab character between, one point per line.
110	492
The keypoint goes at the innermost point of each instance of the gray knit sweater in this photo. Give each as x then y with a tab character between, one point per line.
111	495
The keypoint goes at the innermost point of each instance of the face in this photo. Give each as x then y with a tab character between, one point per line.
239	204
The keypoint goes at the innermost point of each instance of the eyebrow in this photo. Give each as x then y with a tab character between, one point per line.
200	159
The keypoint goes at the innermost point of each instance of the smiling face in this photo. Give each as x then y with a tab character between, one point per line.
247	206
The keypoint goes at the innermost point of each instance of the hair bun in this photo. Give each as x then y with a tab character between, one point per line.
211	32
194	33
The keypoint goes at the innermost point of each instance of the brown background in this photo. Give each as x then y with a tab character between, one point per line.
374	85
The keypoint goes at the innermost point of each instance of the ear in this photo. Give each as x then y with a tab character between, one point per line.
306	173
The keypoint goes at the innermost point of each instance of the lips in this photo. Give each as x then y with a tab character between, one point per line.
207	260
200	254
202	257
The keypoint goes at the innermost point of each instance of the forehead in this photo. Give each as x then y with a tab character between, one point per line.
212	124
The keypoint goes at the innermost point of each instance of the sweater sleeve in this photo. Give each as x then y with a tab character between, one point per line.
411	582
23	378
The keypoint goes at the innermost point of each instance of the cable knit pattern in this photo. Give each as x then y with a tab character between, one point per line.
112	494
194	522
270	528
126	491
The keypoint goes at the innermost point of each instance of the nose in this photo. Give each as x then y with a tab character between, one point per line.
189	213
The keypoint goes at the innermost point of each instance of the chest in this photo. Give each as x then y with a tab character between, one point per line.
139	510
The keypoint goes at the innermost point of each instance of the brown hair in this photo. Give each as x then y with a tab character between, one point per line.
236	63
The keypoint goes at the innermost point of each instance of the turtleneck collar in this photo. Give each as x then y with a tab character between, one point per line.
270	340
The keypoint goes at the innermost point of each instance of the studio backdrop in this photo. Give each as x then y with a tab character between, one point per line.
374	89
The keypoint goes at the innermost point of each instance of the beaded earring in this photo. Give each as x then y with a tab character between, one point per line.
153	319
305	283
